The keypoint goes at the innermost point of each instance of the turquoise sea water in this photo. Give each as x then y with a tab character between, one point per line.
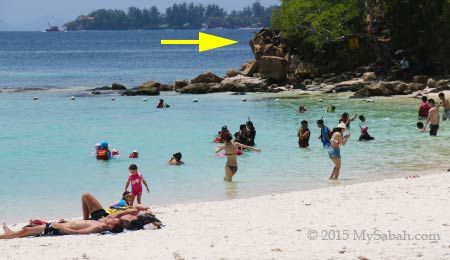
46	146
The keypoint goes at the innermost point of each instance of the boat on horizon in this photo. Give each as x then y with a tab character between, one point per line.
52	28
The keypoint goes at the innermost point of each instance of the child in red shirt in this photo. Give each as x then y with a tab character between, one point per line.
136	179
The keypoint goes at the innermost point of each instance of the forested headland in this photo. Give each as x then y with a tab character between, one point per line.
178	16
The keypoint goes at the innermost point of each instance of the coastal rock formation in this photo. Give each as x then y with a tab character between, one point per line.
232	73
149	88
242	83
431	83
207	78
369	76
275	68
383	88
250	68
238	83
267	42
350	85
166	87
117	86
197	88
422	79
180	84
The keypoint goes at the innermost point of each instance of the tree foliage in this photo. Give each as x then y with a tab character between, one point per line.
178	16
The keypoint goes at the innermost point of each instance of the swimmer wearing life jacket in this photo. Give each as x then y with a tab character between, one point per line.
103	152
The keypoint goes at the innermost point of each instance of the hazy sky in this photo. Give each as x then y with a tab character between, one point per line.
34	14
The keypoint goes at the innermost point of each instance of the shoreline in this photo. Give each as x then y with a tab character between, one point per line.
276	226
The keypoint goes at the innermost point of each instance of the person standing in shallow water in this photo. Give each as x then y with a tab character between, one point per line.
303	135
346	120
337	139
324	133
433	118
231	151
423	109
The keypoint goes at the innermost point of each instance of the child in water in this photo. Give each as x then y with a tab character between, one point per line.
421	128
176	159
134	155
135	179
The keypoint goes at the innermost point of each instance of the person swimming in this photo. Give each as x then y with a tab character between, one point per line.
161	104
176	159
103	152
134	154
302	109
421	128
365	134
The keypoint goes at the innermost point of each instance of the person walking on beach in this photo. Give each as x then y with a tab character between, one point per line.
346	120
446	104
136	179
303	135
337	139
423	109
325	133
231	151
433	118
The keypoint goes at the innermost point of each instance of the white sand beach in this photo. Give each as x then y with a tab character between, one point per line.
277	227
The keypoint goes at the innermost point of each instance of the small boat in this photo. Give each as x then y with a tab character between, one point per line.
52	28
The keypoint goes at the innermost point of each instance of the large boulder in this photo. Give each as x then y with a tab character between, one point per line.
267	42
166	87
422	79
117	86
250	68
242	83
197	88
180	84
349	86
149	88
274	68
442	83
431	83
369	76
376	89
207	77
231	73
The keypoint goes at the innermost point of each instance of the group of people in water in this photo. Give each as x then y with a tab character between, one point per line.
332	139
243	139
429	112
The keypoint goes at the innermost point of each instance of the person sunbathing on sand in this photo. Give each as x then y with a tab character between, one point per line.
78	227
133	218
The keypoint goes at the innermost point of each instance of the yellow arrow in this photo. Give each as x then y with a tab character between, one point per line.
205	42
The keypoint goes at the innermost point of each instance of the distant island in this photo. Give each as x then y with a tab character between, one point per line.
178	16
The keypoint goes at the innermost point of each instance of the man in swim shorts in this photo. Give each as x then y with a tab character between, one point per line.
433	118
78	227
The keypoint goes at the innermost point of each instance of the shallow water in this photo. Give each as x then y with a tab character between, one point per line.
46	145
47	163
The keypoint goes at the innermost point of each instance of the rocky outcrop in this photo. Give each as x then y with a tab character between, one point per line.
250	68
238	83
232	73
422	79
350	85
117	86
166	87
268	42
180	84
274	68
368	76
197	88
149	88
383	88
206	78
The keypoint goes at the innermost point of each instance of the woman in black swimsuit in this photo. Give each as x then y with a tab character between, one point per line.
231	149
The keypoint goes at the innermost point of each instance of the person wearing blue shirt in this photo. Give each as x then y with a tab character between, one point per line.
324	133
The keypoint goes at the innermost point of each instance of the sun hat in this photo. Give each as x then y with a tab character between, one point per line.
342	125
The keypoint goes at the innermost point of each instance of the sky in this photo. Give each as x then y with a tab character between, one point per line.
35	14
